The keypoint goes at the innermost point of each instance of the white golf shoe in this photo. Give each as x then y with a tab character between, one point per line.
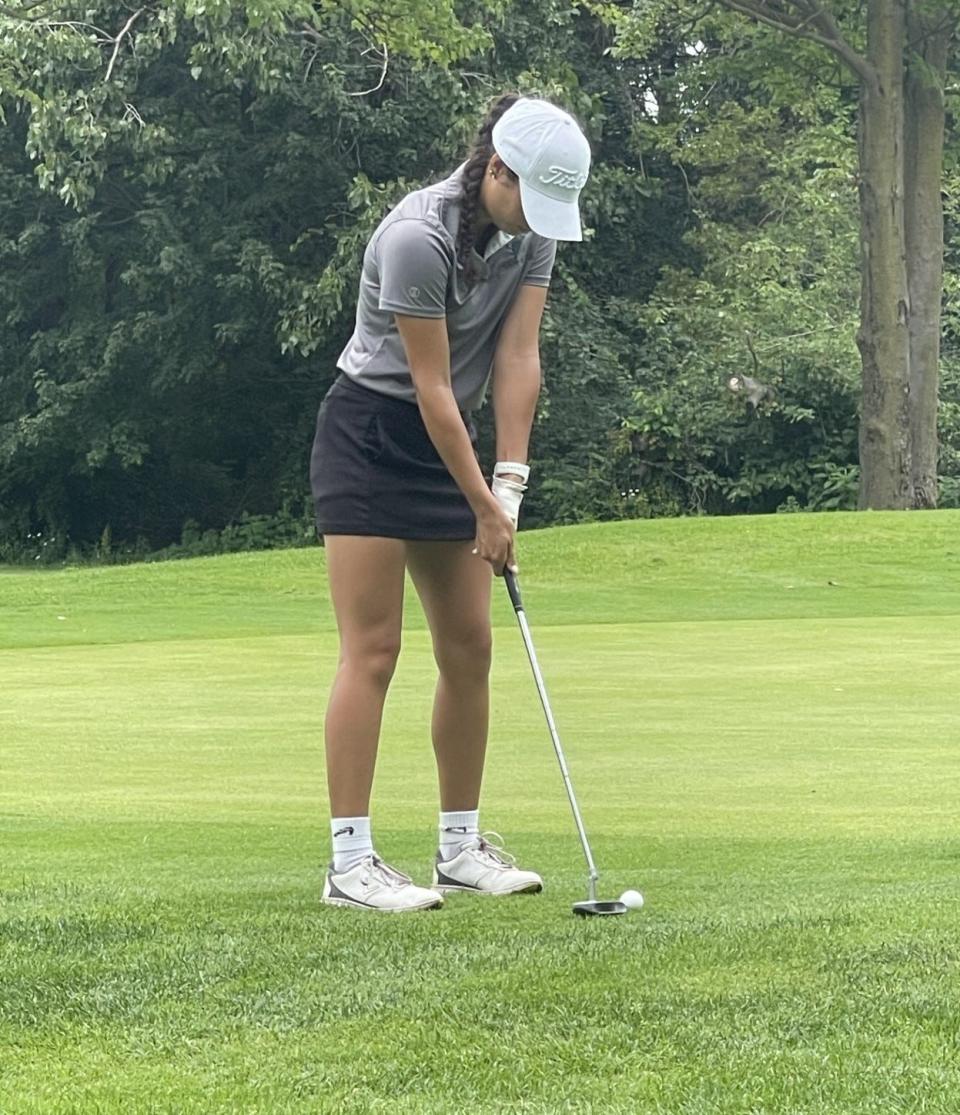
372	884
484	868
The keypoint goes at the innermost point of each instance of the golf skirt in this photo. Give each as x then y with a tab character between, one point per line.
375	471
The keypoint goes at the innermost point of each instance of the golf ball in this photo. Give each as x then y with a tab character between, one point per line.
632	899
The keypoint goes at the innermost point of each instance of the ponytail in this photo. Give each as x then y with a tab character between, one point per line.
477	160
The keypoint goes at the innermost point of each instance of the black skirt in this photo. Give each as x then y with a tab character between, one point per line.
375	471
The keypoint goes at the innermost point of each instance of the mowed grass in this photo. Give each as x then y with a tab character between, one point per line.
761	720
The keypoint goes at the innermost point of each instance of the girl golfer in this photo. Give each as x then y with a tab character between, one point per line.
452	292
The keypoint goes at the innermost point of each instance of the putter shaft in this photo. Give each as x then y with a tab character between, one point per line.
515	598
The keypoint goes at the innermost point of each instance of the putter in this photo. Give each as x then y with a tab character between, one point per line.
590	908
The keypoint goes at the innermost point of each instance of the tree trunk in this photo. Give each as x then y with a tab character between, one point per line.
883	337
929	43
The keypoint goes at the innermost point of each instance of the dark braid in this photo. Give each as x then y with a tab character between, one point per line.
473	173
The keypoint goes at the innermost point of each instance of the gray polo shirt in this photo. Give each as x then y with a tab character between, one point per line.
410	267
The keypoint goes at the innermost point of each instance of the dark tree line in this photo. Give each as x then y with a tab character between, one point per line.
184	203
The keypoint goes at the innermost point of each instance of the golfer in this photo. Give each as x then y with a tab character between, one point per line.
452	293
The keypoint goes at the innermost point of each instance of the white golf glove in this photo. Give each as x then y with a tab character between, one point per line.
508	492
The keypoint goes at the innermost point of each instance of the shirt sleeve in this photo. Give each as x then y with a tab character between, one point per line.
414	265
539	265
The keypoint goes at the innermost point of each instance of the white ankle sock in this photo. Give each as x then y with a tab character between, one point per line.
457	829
351	841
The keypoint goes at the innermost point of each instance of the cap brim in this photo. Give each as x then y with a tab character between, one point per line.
557	220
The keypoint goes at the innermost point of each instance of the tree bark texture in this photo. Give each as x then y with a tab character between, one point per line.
884	336
928	46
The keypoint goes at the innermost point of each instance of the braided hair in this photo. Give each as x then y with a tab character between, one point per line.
473	173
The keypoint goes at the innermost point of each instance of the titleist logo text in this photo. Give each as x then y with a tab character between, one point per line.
560	176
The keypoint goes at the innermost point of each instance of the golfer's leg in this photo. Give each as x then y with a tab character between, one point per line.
454	588
366	585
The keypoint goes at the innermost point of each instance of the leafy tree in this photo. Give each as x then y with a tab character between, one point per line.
143	378
768	171
194	257
185	198
898	51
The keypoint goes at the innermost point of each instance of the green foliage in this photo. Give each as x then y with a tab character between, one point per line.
949	409
288	528
180	247
168	338
771	291
82	73
313	305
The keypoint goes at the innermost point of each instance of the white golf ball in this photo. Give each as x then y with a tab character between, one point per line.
632	899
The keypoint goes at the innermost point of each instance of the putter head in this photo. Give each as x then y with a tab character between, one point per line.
598	909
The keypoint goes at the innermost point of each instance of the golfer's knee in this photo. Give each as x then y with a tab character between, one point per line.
465	653
372	660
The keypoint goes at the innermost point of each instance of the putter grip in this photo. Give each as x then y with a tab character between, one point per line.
514	589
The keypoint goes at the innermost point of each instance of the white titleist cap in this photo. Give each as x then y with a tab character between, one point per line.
545	148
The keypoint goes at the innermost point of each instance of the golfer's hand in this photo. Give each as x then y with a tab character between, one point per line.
509	494
494	541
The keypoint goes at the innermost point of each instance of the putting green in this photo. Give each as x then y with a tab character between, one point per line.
760	720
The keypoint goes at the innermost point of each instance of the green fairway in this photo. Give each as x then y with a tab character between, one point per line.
760	717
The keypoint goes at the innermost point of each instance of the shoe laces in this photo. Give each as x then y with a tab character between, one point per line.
493	851
385	874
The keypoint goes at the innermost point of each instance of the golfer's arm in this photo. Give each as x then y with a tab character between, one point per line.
428	354
517	374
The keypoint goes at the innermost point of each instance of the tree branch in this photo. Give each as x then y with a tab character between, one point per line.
948	26
312	33
132	112
828	34
832	33
19	13
313	58
74	25
116	44
383	75
684	31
